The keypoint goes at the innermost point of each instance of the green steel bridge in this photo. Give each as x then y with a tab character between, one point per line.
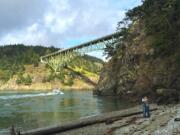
59	59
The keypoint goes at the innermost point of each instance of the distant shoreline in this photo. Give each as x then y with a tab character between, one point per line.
63	89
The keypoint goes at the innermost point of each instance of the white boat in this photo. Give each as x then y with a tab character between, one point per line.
57	91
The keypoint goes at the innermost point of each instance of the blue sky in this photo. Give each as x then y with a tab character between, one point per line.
61	23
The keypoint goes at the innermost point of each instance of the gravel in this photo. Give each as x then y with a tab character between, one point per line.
161	122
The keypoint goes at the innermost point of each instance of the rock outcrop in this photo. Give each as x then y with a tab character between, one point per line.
136	69
136	72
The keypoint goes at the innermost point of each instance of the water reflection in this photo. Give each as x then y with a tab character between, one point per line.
107	104
39	111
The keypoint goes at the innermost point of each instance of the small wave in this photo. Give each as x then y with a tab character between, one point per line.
89	116
28	95
7	104
4	131
57	91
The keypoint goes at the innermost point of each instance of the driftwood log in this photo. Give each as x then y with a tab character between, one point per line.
113	116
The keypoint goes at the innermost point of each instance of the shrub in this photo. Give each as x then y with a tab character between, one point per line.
23	80
27	80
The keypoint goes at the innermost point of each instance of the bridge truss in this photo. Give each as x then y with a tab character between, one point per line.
59	59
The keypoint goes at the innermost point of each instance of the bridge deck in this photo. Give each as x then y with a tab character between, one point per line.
98	40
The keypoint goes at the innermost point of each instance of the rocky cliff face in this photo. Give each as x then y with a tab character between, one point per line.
134	71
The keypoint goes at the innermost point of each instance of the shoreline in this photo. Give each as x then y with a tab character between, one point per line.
128	121
47	90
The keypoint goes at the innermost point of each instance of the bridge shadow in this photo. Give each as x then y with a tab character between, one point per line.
83	77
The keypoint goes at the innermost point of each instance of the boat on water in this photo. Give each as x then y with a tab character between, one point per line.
57	91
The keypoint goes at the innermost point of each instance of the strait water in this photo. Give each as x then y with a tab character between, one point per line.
29	110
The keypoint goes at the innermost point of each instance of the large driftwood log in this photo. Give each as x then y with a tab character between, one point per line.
86	122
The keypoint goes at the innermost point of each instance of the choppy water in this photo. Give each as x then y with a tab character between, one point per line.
28	110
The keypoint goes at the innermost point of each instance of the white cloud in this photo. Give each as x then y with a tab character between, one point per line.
32	28
30	36
48	20
57	22
18	14
60	24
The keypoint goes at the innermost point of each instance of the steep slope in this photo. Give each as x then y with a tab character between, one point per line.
146	60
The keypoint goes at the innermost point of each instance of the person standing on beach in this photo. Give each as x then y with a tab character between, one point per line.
146	110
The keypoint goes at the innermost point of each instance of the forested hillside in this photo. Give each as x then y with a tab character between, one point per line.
13	58
20	66
146	59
